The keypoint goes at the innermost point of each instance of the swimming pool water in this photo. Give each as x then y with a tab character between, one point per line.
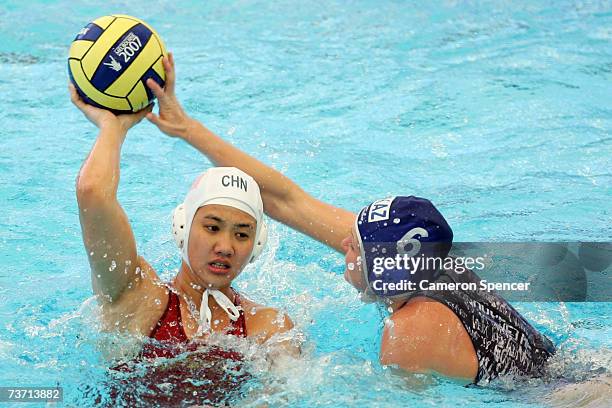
499	112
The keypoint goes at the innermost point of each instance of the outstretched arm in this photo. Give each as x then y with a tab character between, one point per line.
283	200
107	234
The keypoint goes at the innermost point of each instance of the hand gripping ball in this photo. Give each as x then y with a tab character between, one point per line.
110	60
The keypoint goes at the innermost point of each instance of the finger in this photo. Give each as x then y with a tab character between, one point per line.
170	73
143	112
140	115
170	60
170	76
157	121
73	94
156	89
173	70
167	67
148	109
75	98
153	118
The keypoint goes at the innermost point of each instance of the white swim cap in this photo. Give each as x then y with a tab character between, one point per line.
227	186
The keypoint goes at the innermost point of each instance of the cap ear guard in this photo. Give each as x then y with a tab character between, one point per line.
179	229
178	225
260	241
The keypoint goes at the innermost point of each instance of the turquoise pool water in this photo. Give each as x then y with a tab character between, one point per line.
499	112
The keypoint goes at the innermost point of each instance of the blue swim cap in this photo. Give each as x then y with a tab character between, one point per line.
393	230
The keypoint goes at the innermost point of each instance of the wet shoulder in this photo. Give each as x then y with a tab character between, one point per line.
140	307
263	322
425	335
422	315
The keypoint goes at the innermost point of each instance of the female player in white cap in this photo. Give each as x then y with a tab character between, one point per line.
219	228
474	336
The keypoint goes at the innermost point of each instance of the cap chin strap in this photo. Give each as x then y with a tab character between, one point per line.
206	314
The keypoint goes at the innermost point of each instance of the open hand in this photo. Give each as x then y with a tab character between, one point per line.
105	118
172	120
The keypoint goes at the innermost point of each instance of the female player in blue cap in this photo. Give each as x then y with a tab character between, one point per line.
471	335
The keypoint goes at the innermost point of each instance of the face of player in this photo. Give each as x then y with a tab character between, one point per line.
221	240
353	273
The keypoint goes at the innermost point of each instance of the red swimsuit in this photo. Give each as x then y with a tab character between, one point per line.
169	330
206	374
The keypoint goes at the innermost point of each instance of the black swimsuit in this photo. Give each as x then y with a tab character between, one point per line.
504	341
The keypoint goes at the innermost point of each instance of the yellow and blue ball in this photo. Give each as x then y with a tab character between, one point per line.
110	60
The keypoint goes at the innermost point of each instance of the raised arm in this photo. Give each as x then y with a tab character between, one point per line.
283	200
107	234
